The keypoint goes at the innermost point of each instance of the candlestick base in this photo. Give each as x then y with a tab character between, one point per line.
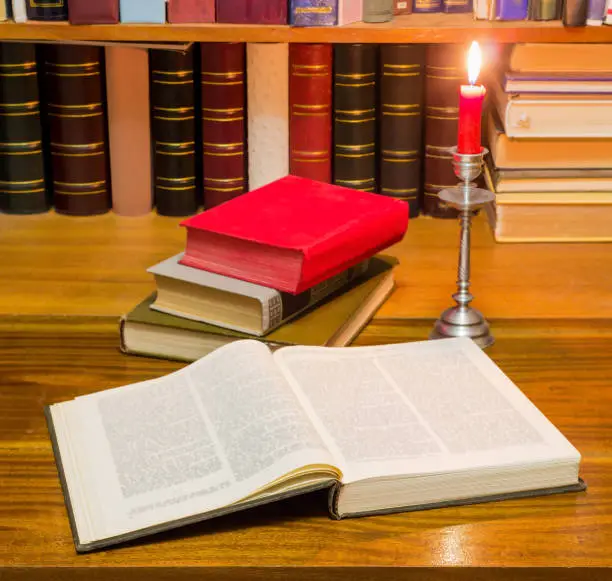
461	321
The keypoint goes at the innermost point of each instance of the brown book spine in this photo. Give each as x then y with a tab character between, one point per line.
77	129
223	121
401	126
444	73
401	7
173	131
355	116
310	101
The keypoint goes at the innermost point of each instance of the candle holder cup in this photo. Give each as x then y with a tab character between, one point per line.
462	320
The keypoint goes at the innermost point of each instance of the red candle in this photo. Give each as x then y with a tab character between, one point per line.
471	98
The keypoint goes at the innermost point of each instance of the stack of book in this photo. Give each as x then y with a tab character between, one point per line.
257	266
550	136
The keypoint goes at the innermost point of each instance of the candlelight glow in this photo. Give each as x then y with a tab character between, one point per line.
474	62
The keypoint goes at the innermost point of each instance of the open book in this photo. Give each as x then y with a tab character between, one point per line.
388	428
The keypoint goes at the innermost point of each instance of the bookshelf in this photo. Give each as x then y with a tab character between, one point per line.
415	28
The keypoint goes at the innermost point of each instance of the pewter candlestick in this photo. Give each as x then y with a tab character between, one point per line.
463	320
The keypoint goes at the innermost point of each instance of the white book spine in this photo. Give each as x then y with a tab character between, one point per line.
19	11
608	13
481	9
268	112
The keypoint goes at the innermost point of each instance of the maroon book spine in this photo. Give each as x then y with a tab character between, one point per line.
190	11
93	11
223	121
310	101
252	11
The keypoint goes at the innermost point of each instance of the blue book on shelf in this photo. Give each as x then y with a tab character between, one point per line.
143	11
511	9
313	12
427	6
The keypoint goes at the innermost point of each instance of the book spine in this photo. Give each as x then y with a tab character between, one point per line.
355	116
223	121
456	6
23	188
191	11
420	6
9	9
313	12
310	98
402	7
545	10
284	306
3	10
511	9
47	10
596	12
350	11
608	13
481	9
401	129
377	10
268	112
98	12
19	11
444	72
575	12
250	12
153	11
173	131
127	77
77	129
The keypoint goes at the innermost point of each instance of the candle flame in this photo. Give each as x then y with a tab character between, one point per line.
474	62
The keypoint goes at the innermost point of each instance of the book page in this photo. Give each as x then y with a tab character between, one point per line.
418	408
199	439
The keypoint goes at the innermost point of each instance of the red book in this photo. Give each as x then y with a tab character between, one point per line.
252	11
293	233
191	11
310	101
93	12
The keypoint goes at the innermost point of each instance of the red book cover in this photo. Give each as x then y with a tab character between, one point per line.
310	102
293	233
252	11
191	11
223	121
93	12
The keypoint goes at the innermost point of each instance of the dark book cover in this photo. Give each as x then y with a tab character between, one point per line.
223	89
173	128
355	67
252	11
545	9
455	6
402	71
191	11
23	188
93	11
74	89
511	9
47	9
310	102
427	6
401	7
575	12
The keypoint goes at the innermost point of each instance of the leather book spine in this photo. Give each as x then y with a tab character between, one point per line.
402	7
223	121
575	12
313	12
23	188
544	10
444	73
173	131
355	116
252	11
456	6
146	11
377	10
401	125
267	112
47	9
129	130
310	99
97	12
191	11
77	129
420	6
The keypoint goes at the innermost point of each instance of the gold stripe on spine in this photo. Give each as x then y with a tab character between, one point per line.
224	154
399	152
174	153
78	145
439	186
354	111
401	191
230	111
356	85
310	67
401	74
35	152
21	144
162	118
174	109
223	84
73	66
223	74
355	75
175	180
310	74
97	184
300	114
24	104
36	191
224	180
392	160
176	188
87	193
173	82
75	116
174	73
355	182
311	107
85	106
175	143
4	183
26	65
355	155
222	145
368	120
401	67
445	78
28	74
91	74
220	120
442	118
224	189
95	154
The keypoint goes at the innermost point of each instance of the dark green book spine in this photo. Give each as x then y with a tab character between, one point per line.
355	116
174	132
23	187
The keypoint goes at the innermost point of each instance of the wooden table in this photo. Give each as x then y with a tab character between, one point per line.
65	282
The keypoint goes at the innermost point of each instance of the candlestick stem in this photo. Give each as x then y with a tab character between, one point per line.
463	297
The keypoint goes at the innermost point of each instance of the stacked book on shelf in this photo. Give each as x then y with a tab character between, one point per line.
550	137
278	264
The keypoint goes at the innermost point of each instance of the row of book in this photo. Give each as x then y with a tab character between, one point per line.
550	136
571	12
85	129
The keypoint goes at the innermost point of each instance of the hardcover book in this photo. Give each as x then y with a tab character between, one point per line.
191	11
23	187
223	121
47	10
143	11
575	12
545	9
313	12
427	6
173	130
596	12
19	10
3	11
454	6
558	83
234	304
401	125
310	101
97	12
387	429
325	230
377	10
511	9
252	12
77	129
349	11
355	68
401	7
561	58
